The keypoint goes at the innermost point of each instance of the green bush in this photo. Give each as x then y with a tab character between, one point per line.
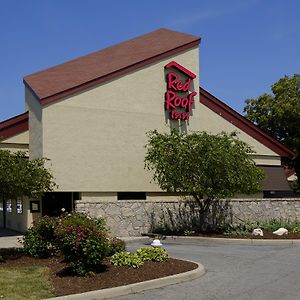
136	259
126	259
39	240
116	245
151	253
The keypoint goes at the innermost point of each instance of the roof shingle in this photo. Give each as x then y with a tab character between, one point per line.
108	63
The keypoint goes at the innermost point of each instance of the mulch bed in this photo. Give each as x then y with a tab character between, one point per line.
108	276
267	236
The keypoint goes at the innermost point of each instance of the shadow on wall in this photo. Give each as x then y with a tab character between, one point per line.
188	216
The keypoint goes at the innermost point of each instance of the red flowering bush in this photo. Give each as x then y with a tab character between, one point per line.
83	242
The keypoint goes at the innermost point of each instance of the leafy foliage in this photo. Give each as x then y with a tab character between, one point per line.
78	219
137	259
83	248
269	225
153	254
22	177
39	240
82	240
201	164
126	259
116	245
279	114
204	166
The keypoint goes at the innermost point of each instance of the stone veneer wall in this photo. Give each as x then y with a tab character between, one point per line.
131	218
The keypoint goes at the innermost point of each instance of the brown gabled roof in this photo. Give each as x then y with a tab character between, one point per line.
13	126
86	71
245	125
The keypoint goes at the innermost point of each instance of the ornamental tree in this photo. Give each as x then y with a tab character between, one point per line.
279	114
205	166
22	177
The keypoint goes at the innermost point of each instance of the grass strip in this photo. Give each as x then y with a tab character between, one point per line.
30	283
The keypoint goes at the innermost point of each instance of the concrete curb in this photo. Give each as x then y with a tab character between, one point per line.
137	287
192	239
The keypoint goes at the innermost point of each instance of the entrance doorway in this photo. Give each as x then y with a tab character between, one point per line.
55	203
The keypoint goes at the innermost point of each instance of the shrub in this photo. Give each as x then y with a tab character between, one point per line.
126	259
151	253
39	240
136	259
81	239
83	242
81	219
116	245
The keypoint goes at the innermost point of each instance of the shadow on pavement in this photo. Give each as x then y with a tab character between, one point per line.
8	232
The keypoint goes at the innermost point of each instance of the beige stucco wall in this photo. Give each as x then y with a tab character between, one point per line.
98	197
267	160
19	142
207	120
35	125
96	139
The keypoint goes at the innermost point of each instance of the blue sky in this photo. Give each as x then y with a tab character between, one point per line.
246	44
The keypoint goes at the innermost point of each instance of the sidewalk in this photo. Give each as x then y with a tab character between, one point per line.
9	238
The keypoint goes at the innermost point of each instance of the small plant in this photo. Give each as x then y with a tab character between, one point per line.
1	259
151	253
296	229
128	259
239	229
268	226
116	245
188	232
137	259
275	224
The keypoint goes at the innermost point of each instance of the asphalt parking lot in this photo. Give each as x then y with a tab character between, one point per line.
234	271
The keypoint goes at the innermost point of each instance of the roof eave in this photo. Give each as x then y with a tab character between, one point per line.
13	126
242	123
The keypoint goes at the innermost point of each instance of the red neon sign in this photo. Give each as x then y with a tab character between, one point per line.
179	97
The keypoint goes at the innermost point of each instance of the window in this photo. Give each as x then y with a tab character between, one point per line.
9	206
19	205
132	196
35	206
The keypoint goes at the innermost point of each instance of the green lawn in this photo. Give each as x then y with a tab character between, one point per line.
24	283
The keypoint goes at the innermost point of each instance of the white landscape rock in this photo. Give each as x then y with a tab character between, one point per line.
281	231
257	231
